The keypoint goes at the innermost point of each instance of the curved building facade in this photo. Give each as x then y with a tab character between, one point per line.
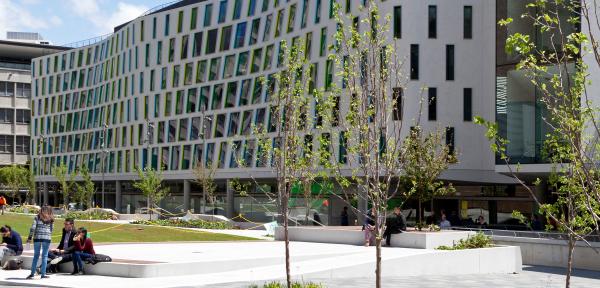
180	85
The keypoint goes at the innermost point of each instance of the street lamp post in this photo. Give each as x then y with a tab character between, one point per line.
103	148
39	156
148	140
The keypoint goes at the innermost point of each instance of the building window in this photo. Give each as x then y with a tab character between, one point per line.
23	116
211	41
194	18
450	139
291	19
240	35
468	22
328	74
24	89
254	31
225	38
432	104
6	115
22	145
398	22
468	104
237	9
197	49
318	12
304	14
7	89
397	95
432	21
450	62
208	15
251	7
323	46
6	144
222	11
167	18
343	155
180	22
414	61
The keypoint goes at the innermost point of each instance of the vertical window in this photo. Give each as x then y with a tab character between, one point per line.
225	38
331	6
397	95
328	74
304	14
237	9
468	22
197	49
432	21
467	104
240	35
414	61
343	155
450	139
265	5
184	46
194	18
323	46
398	22
211	41
254	31
167	24
222	11
251	7
153	28
318	12
180	22
208	15
432	104
450	62
291	19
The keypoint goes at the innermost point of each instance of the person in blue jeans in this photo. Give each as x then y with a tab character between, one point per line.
84	249
41	233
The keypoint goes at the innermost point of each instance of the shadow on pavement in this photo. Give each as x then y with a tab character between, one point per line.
562	271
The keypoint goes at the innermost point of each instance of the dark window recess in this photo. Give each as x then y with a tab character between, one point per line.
450	139
432	21
211	41
414	62
432	104
450	62
398	22
398	97
468	22
468	104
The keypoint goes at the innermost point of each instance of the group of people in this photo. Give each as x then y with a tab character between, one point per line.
74	244
394	225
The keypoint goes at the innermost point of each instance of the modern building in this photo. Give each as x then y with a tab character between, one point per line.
180	85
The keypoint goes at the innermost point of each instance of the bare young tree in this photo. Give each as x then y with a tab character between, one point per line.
205	177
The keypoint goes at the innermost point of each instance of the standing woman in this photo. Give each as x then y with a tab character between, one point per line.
41	233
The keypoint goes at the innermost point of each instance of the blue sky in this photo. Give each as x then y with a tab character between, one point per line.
66	21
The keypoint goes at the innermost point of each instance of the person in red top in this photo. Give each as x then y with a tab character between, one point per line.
2	203
84	249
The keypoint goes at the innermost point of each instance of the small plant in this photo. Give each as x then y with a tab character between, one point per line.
94	215
25	209
479	240
434	228
186	223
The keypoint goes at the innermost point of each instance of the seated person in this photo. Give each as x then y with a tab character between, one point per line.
84	250
445	224
12	245
481	224
396	225
63	253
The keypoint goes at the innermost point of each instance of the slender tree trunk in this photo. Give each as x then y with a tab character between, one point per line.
570	261
286	237
378	240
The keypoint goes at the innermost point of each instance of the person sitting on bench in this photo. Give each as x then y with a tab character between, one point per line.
64	252
84	250
396	225
12	245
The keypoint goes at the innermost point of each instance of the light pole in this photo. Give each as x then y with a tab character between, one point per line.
39	156
103	148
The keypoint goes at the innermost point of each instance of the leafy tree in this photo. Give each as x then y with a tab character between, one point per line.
15	177
150	184
561	78
85	190
66	181
205	177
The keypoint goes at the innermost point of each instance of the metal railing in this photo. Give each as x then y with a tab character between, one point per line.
97	39
526	234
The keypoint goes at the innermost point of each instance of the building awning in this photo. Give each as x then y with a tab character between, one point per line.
477	176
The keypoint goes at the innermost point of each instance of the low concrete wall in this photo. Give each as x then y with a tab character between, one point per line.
552	252
411	239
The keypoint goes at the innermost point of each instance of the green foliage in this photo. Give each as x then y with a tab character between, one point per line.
66	181
197	223
434	228
83	215
294	285
15	177
150	184
26	209
479	240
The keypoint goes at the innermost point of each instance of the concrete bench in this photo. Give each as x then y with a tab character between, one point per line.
353	235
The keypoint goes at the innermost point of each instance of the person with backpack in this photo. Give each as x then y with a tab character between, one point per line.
41	233
11	244
2	203
84	250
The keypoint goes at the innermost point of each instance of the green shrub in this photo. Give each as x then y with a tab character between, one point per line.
479	240
294	285
24	209
186	223
94	215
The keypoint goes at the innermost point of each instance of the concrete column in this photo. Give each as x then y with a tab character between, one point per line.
118	196
363	206
186	195
45	193
230	207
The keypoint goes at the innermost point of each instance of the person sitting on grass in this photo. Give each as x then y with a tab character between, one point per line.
63	253
84	249
12	244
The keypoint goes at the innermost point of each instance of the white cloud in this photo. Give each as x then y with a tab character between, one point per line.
55	20
103	21
14	17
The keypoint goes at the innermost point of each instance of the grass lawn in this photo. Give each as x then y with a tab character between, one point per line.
108	232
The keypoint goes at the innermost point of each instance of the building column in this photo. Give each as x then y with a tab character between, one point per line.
45	193
118	196
363	206
229	211
186	195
